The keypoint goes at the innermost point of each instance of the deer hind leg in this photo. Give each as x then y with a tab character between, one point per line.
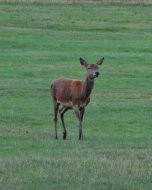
62	112
56	108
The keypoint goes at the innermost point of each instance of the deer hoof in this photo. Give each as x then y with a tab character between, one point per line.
64	135
56	138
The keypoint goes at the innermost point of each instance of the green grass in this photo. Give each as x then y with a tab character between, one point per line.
40	42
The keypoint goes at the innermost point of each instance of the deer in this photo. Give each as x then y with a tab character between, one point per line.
73	94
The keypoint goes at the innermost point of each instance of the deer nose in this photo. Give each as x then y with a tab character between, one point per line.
97	73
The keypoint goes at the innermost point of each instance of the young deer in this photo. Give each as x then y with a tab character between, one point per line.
74	94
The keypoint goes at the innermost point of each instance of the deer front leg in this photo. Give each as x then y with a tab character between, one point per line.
78	116
82	111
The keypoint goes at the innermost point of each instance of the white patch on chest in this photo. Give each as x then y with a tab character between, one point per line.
66	104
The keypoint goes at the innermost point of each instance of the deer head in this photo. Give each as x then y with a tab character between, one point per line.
92	69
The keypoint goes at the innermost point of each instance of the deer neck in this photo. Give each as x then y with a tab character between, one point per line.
88	86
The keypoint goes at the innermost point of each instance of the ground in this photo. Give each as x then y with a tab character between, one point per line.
43	41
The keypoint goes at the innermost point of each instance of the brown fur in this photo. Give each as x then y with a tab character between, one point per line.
66	91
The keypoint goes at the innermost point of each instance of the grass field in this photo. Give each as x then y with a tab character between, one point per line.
42	41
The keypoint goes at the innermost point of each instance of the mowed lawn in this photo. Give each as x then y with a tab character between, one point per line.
40	42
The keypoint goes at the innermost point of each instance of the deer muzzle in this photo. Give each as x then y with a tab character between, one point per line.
97	74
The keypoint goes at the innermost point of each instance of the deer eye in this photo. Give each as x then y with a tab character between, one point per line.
89	68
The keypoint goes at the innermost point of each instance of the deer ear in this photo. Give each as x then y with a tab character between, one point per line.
100	61
83	62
